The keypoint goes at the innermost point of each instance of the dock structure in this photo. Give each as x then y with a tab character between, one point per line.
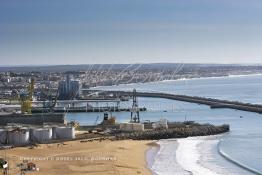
86	109
212	102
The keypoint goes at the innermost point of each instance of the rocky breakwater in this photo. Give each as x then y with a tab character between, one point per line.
176	130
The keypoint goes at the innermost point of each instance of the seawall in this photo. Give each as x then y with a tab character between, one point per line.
34	119
213	103
178	132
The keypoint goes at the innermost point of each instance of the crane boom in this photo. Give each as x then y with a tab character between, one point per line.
26	99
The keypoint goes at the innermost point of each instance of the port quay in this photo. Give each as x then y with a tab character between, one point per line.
213	103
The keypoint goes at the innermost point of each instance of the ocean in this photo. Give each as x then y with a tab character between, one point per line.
238	152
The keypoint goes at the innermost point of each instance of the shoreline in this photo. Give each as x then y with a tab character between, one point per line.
150	155
181	79
192	156
181	153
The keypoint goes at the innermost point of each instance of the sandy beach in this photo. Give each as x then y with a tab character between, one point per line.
75	158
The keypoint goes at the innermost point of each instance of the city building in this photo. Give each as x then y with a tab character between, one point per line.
69	89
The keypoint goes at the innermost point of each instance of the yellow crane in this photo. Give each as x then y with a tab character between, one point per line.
26	99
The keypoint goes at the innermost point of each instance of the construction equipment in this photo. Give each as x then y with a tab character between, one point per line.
108	120
27	98
4	166
74	124
27	166
31	167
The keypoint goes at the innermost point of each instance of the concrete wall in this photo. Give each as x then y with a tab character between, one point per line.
34	119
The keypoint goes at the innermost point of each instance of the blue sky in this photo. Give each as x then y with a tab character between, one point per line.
130	31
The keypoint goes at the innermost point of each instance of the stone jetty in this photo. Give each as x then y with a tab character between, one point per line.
181	130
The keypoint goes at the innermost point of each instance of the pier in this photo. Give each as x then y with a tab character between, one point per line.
118	95
85	109
213	103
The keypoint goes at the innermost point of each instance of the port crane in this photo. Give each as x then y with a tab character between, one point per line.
135	110
27	98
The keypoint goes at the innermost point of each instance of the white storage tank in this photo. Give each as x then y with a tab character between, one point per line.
41	135
132	126
161	124
63	132
3	136
18	137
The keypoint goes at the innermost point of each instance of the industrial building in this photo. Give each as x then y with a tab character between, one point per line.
69	89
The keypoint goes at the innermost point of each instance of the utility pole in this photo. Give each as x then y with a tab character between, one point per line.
135	110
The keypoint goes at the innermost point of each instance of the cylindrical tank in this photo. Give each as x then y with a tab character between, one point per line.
41	135
18	137
63	132
3	136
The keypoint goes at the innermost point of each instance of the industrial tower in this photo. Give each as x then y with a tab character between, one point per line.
135	110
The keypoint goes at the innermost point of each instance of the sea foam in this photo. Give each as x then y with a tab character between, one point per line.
165	160
188	156
182	157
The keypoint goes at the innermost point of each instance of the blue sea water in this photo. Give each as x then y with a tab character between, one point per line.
243	145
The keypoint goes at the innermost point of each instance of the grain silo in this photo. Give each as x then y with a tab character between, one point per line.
63	132
18	137
41	135
3	136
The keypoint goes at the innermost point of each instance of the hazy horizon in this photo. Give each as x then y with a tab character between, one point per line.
36	65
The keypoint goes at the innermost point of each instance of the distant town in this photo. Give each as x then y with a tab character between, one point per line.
69	80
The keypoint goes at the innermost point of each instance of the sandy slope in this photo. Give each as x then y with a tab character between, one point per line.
75	158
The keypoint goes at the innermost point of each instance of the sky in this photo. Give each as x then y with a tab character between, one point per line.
35	32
